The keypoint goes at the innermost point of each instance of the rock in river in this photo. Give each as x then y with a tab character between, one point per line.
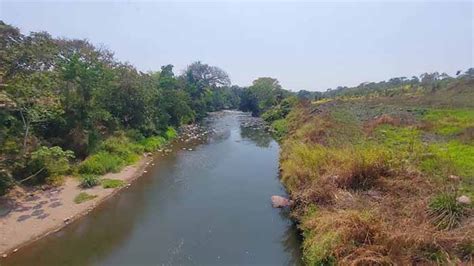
280	202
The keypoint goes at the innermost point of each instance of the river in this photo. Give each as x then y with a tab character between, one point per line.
204	203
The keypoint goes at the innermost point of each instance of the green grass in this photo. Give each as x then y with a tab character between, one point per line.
445	211
152	143
451	158
83	197
325	232
101	163
89	181
112	183
119	151
450	121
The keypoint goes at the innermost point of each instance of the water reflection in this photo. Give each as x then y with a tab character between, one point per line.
256	135
291	239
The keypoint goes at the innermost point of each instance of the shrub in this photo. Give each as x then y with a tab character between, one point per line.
112	183
54	160
134	135
6	181
152	143
122	147
89	180
55	180
101	163
170	133
82	197
280	128
445	212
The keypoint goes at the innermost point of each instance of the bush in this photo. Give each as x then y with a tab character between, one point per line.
152	143
445	212
83	196
122	147
112	183
170	133
55	180
101	163
6	181
54	160
280	128
89	181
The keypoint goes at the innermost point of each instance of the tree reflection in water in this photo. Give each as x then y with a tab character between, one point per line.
258	136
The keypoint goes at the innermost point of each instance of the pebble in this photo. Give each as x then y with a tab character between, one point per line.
454	177
464	200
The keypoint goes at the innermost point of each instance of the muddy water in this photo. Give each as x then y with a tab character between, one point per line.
208	205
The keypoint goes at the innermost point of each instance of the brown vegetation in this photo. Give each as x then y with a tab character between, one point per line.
364	183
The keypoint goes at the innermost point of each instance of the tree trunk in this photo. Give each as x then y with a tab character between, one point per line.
26	125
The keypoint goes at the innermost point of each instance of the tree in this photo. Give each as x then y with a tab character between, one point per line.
35	101
205	76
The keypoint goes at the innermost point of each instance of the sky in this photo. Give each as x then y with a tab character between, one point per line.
305	45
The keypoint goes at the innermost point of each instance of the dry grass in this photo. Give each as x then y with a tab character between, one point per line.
362	197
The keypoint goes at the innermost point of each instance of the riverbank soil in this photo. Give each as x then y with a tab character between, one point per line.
34	214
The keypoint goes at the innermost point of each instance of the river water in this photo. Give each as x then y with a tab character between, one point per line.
208	205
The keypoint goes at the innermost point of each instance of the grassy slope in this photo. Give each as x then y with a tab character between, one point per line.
370	178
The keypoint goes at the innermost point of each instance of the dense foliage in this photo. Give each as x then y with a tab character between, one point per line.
62	99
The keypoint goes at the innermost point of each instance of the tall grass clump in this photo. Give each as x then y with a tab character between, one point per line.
101	163
89	180
445	211
332	236
354	167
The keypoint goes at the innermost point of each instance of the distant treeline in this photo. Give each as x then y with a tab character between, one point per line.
426	83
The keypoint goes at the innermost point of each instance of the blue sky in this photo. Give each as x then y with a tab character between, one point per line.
305	45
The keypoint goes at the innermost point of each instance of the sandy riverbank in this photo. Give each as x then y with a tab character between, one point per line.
38	213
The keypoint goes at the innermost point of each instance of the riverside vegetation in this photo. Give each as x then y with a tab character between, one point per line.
381	173
68	108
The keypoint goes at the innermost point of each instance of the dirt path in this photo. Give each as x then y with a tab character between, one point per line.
38	213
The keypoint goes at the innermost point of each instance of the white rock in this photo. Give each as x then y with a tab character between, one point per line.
464	200
454	177
280	202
